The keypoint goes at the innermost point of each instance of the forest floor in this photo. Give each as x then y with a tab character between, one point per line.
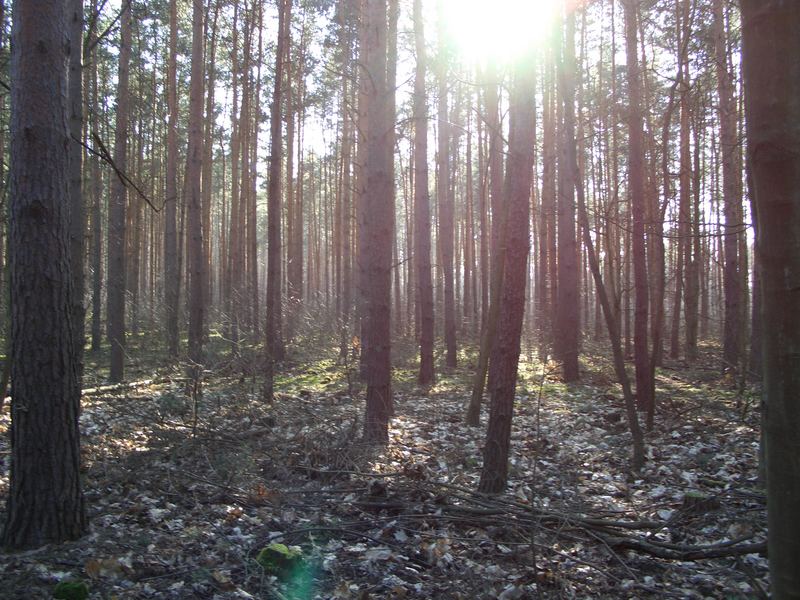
182	496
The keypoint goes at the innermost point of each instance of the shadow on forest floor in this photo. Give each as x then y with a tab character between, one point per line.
182	497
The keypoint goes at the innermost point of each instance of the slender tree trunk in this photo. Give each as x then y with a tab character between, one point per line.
274	205
444	197
733	326
378	221
506	347
567	309
422	211
196	253
97	201
638	209
116	207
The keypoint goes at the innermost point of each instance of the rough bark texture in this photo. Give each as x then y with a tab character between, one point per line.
504	359
422	209
771	61
77	211
378	220
45	504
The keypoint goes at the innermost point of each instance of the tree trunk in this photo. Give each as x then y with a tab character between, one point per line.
506	347
771	61
444	197
733	324
274	204
77	210
378	223
45	503
422	211
117	208
638	210
171	276
567	310
194	217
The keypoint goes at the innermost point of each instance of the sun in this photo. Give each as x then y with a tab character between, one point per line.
498	30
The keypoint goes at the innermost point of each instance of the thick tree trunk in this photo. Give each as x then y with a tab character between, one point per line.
771	60
45	503
422	211
506	347
117	208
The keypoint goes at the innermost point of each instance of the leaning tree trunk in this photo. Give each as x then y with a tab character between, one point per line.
771	61
45	503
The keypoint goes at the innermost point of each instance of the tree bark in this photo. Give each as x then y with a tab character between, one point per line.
378	223
274	205
194	217
117	207
733	325
45	503
504	360
567	310
771	61
638	210
422	211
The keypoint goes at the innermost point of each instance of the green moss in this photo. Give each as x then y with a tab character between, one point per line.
279	559
72	589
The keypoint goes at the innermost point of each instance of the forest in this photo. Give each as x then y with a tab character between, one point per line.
352	299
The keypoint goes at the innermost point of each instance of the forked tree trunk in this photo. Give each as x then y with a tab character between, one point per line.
506	347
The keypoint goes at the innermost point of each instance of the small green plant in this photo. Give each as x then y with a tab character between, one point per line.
71	589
